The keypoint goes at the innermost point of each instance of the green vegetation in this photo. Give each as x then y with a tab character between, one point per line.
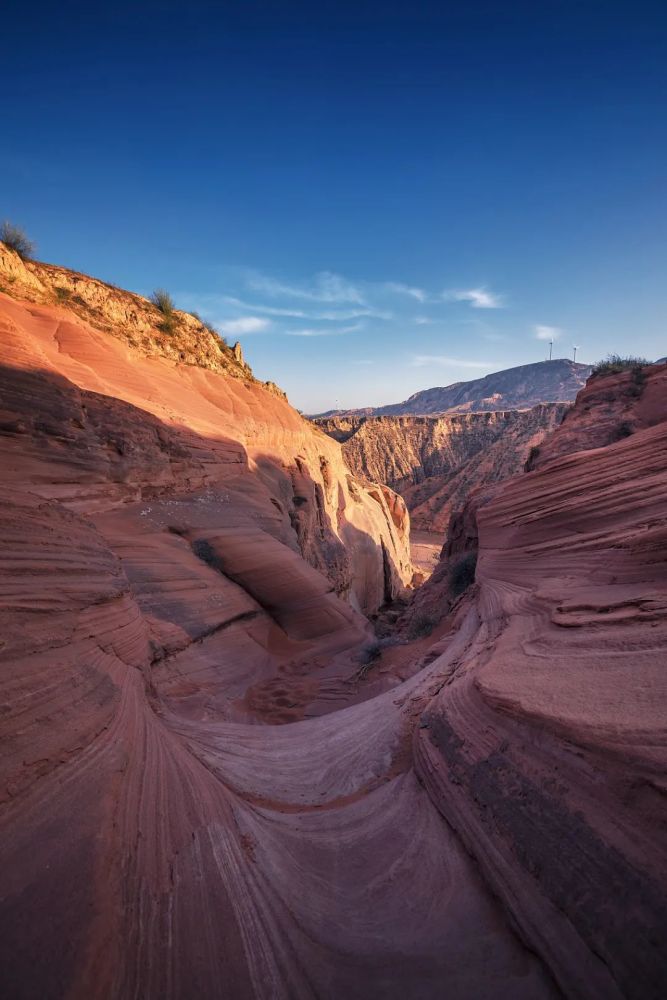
462	573
163	301
421	625
15	238
62	294
613	364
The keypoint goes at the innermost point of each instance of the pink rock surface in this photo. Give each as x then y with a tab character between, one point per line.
548	748
197	798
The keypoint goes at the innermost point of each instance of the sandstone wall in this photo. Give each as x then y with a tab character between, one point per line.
436	462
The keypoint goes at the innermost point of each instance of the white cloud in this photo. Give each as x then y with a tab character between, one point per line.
335	315
423	360
400	289
325	287
245	324
268	310
547	332
327	332
479	298
423	320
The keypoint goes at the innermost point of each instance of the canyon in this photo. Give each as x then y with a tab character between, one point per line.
435	462
216	783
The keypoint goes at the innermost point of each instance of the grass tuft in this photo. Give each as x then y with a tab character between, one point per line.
16	239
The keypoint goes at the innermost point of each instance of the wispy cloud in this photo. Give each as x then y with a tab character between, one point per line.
479	298
423	360
547	332
399	288
423	320
333	315
244	324
325	332
326	286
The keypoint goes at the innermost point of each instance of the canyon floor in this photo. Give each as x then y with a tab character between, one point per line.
425	549
214	784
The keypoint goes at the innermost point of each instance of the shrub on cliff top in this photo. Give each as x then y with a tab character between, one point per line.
15	238
163	301
613	364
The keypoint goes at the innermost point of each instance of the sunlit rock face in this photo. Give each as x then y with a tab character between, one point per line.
435	462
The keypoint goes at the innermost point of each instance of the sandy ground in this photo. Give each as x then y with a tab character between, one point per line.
425	549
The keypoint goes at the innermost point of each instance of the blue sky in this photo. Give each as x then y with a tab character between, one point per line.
374	198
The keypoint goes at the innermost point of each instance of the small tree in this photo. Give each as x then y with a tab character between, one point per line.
15	238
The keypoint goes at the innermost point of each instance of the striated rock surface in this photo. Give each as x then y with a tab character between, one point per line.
547	748
609	408
436	462
174	546
91	423
514	388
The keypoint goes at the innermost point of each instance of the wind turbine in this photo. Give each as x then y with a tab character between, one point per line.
575	348
551	347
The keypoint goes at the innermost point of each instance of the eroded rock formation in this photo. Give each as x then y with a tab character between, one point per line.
546	747
436	462
174	545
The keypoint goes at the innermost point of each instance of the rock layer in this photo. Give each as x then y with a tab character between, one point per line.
436	462
547	748
163	605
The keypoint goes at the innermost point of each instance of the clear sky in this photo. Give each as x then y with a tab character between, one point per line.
373	197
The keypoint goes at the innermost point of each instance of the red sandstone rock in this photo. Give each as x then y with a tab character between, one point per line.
163	535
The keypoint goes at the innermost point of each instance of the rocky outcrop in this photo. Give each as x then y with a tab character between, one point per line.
514	388
91	423
610	408
436	462
131	318
546	748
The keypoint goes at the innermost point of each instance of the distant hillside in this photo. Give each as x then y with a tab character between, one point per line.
515	388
